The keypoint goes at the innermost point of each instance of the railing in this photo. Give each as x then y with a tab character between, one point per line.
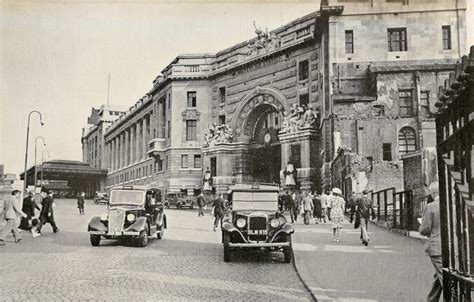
396	208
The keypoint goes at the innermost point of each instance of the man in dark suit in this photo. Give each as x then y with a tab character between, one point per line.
47	213
29	206
364	211
430	227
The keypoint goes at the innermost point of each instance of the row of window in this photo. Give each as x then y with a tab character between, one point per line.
197	161
406	144
397	39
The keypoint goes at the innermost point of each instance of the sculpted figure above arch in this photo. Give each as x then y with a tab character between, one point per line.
300	117
218	134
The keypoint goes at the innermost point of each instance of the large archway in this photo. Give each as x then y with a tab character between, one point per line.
257	123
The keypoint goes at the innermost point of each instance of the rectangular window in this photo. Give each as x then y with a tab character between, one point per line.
169	129
425	103
166	162
222	119
184	161
303	69
160	165
349	41
222	95
387	152
397	39
213	166
446	37
295	155
197	161
304	99
192	99
405	98
191	131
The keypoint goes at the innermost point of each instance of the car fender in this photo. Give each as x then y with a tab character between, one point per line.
228	227
96	225
138	225
285	229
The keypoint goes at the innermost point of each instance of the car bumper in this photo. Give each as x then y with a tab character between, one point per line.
116	234
254	244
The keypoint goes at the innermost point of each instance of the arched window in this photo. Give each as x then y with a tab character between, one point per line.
406	140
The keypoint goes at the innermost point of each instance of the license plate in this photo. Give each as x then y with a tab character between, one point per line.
258	232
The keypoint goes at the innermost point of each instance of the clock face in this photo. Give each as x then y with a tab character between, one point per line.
267	138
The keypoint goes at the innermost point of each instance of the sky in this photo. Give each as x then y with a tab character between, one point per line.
55	57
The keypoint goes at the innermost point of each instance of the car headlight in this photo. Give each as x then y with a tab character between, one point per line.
241	222
275	223
282	220
130	217
103	217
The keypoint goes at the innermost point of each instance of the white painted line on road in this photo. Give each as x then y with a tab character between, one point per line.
387	251
382	247
346	249
336	290
304	247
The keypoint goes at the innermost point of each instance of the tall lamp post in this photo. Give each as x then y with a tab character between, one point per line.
36	143
42	161
25	179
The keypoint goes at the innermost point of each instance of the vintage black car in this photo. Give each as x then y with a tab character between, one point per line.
100	197
178	200
133	213
255	222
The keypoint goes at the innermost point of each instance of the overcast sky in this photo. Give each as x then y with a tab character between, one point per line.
56	57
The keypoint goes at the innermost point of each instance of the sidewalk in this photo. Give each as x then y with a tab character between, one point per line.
391	268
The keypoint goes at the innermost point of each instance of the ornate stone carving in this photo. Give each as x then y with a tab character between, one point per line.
264	43
218	134
190	114
299	118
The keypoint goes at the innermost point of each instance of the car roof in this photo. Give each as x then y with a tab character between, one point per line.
135	188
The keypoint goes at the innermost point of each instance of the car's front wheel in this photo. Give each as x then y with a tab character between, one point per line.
226	240
143	238
95	240
287	250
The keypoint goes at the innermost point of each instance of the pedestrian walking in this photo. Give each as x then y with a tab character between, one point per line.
299	202
10	212
218	210
47	213
80	203
329	195
307	207
430	227
294	208
363	212
338	206
29	206
317	207
200	202
324	206
352	205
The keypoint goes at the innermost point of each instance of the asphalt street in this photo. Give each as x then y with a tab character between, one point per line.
187	264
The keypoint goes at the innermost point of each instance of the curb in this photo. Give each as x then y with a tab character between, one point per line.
406	233
295	266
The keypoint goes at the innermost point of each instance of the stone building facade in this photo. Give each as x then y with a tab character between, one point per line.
353	76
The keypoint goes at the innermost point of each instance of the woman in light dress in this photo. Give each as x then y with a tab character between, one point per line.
337	212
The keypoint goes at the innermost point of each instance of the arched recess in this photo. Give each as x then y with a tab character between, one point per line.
251	108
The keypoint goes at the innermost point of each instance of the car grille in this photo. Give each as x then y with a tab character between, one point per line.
116	220
258	228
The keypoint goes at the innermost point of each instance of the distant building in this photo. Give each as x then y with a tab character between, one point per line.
338	96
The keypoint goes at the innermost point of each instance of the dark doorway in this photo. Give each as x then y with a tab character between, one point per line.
266	162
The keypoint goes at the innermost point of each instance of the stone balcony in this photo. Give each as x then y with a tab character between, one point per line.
187	71
156	148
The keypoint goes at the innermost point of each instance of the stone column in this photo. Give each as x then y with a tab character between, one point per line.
116	156
138	141
144	137
127	147
132	143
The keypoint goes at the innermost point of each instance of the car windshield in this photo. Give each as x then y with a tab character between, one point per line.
127	197
261	201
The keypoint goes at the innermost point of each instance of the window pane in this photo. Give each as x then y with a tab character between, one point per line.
184	161
197	161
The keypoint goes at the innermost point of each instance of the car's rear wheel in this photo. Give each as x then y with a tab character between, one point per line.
143	238
287	250
226	239
95	240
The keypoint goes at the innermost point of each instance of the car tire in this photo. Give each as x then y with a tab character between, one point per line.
226	239
143	238
95	240
287	250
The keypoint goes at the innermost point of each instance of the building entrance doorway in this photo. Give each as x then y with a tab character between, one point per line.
264	148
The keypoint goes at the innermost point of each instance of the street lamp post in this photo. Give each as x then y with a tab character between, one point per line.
44	144
25	181
42	161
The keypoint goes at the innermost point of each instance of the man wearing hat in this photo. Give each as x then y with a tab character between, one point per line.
29	206
364	209
47	214
11	211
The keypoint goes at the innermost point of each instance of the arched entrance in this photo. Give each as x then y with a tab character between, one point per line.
257	122
264	123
